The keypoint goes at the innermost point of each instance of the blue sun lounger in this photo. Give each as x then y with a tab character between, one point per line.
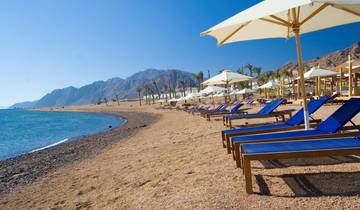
216	109
326	129
267	111
293	123
296	149
234	110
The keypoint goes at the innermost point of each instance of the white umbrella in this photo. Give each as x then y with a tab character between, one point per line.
220	95
226	77
270	84
317	72
245	91
212	89
285	19
192	95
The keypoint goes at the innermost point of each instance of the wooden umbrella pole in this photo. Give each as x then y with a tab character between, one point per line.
302	81
341	81
319	86
350	77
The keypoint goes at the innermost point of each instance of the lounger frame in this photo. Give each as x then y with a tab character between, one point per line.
277	114
239	153
247	158
220	114
225	138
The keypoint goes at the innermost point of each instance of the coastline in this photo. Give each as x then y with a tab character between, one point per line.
26	168
179	162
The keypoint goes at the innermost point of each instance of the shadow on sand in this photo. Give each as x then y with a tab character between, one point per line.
314	184
331	160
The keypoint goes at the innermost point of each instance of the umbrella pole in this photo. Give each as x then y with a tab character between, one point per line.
302	83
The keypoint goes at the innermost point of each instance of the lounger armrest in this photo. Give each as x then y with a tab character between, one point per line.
287	111
351	127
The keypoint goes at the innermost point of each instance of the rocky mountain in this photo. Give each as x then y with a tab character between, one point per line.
126	88
329	61
110	89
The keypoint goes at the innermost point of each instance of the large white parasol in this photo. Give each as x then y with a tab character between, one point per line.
285	19
226	77
270	84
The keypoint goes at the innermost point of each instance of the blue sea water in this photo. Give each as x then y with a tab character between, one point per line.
23	131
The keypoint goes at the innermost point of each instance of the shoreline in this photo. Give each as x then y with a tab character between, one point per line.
26	168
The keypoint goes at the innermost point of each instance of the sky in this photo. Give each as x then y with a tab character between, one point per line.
48	44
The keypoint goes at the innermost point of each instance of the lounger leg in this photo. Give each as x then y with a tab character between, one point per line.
283	117
223	139
247	174
232	149
224	120
228	147
230	124
208	117
237	155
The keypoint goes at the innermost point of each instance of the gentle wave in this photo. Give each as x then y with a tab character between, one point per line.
51	145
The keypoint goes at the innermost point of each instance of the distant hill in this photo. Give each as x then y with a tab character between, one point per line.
123	88
126	88
329	61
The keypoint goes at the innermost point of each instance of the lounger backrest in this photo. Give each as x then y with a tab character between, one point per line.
236	107
313	106
271	106
223	107
333	97
219	107
341	116
233	101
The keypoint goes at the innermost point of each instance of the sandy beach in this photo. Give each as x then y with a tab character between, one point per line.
178	162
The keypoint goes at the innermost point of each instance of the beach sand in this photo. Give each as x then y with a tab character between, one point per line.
179	163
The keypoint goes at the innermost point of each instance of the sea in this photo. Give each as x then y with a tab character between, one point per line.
25	131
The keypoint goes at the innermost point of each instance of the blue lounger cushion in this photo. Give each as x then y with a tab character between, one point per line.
235	108
223	108
266	110
292	134
299	146
331	125
257	128
296	119
341	116
271	107
313	106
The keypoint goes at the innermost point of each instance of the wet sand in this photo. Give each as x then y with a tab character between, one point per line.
178	162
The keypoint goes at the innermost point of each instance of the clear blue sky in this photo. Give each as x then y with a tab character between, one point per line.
48	44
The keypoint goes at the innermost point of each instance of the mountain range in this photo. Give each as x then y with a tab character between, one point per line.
110	89
126	88
329	61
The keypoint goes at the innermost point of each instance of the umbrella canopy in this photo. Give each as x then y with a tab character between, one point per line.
270	84
245	91
317	72
273	19
220	95
226	77
192	95
212	89
285	19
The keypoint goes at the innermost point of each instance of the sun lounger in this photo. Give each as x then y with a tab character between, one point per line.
235	110
293	123
296	149
197	107
221	109
200	111
267	111
326	129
